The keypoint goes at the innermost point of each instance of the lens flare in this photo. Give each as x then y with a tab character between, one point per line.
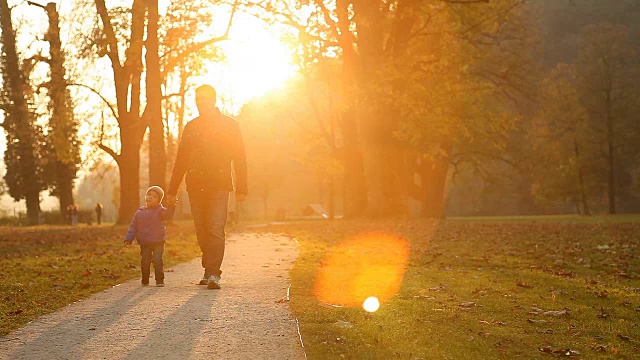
370	265
371	304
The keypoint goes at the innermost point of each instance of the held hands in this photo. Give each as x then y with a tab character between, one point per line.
170	200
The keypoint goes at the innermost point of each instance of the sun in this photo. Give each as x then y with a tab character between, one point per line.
257	61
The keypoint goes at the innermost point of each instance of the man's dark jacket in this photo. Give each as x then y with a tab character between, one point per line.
207	149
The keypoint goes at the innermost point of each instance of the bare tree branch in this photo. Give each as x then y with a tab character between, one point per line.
105	101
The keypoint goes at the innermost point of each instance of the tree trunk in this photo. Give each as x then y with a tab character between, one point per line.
354	195
64	187
583	194
355	185
611	157
332	195
434	180
129	166
157	150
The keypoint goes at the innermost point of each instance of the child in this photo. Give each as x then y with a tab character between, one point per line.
148	228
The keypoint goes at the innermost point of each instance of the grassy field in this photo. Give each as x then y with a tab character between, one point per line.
45	268
622	218
480	288
498	288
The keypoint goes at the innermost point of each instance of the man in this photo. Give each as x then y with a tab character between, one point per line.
99	213
210	145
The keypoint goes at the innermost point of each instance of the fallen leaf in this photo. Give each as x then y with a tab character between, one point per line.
556	313
564	273
524	285
598	347
536	321
467	304
343	324
559	352
624	337
493	322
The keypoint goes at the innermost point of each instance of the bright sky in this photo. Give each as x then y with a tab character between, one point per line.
257	62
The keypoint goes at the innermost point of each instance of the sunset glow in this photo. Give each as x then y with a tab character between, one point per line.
364	271
257	61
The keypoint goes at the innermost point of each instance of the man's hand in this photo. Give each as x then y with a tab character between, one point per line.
128	242
241	197
170	200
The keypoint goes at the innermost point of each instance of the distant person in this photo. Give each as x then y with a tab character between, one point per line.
69	211
99	213
210	145
148	228
74	214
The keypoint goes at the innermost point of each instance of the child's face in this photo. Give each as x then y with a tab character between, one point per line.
152	198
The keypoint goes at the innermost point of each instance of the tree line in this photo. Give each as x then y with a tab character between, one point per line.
517	107
395	100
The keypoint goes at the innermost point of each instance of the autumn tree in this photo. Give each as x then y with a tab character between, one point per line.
23	156
62	135
566	157
426	79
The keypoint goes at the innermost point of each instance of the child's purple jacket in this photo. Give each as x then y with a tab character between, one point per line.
147	226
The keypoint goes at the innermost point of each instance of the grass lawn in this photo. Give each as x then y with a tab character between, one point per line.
45	268
489	289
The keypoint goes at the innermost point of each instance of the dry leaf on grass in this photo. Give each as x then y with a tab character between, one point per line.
559	352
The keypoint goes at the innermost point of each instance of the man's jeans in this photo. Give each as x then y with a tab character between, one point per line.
152	253
209	211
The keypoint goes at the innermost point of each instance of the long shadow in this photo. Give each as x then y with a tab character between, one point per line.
60	340
176	336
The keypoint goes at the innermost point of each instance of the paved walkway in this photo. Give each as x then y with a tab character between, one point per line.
246	319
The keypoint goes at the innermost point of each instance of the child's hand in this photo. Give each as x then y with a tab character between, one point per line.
128	242
170	201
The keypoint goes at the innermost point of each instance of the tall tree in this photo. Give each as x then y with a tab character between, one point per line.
127	77
157	150
22	156
63	127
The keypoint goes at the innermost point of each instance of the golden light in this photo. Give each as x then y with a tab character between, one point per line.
361	268
257	61
371	304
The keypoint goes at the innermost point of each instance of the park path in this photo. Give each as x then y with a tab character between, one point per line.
248	318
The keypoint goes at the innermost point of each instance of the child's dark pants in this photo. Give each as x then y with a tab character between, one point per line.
152	253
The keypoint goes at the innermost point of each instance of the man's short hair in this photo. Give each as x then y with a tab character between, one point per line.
206	92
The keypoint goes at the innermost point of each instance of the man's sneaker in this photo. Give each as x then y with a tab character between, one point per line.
160	284
205	279
145	282
213	282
